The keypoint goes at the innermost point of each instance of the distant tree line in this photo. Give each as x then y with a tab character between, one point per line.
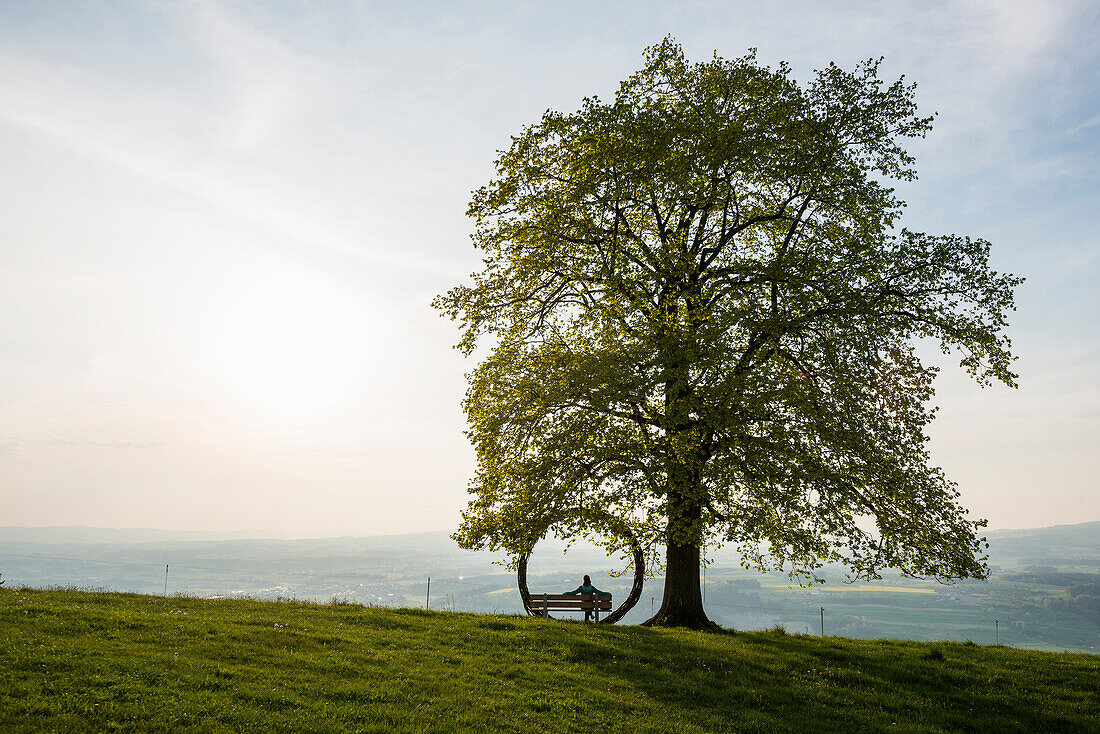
1053	578
1082	592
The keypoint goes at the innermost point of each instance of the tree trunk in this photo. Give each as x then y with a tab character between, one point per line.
682	604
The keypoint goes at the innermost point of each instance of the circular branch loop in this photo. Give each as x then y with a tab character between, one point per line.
611	524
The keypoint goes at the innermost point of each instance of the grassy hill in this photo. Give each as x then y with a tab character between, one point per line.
79	661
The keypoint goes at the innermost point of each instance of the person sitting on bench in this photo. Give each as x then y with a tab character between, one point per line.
586	588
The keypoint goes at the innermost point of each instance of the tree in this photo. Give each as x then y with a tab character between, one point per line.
704	320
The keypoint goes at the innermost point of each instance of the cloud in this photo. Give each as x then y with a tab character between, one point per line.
1083	126
11	444
219	147
269	83
101	444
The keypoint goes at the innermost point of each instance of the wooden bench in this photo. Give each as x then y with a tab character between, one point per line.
543	604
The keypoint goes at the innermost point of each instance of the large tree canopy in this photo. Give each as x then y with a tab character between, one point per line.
703	319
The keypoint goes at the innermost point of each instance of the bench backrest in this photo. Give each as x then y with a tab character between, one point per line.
571	603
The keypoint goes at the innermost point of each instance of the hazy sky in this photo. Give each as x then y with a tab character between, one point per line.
221	225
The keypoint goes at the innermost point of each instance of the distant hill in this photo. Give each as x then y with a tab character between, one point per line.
1056	545
431	541
246	543
1087	533
81	535
1060	546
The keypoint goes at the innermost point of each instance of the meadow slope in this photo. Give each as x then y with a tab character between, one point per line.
89	661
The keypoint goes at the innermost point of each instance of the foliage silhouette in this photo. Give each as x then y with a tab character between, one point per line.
703	320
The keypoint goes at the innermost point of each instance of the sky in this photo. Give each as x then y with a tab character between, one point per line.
222	224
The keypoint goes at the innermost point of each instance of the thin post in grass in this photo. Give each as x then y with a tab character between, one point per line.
822	621
997	631
166	579
428	594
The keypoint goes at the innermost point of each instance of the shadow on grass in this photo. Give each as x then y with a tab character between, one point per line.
772	681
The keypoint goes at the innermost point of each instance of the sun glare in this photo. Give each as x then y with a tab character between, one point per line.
291	343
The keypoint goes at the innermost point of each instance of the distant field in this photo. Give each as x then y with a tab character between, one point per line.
1027	602
860	589
84	661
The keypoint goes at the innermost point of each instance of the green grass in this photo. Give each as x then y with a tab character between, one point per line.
88	661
